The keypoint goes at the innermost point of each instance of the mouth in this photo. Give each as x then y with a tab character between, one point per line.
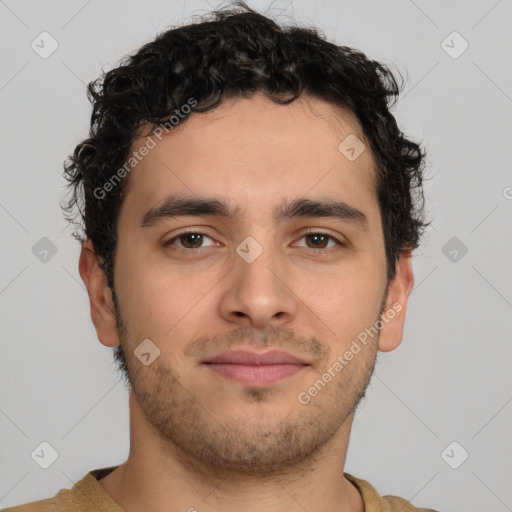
256	369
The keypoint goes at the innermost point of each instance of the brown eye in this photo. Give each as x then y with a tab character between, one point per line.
191	240
188	240
318	240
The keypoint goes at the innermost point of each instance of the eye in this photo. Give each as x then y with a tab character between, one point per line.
188	241
319	241
192	241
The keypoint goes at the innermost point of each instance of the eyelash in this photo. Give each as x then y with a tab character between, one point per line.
329	250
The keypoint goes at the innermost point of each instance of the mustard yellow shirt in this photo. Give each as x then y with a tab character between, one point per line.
89	495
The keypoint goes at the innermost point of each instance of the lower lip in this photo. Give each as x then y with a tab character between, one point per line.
256	375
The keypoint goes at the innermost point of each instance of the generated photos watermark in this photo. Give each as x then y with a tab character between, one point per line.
341	361
137	156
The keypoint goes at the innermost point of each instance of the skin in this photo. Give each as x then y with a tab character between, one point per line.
224	445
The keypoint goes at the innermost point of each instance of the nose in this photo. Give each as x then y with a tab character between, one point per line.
259	294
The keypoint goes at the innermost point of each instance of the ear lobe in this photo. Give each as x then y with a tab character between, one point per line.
393	317
100	296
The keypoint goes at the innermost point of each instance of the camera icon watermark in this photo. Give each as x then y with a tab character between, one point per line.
454	455
44	455
146	352
249	249
454	45
44	45
454	249
351	147
44	250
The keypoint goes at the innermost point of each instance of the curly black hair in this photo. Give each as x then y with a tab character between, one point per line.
235	52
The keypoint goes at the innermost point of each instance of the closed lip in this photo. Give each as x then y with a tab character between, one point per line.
255	359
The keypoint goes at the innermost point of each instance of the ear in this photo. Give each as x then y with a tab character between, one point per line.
100	296
393	317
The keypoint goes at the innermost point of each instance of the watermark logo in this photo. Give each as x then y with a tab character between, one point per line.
146	352
44	455
137	156
249	249
454	249
454	45
44	45
454	455
304	397
44	250
351	147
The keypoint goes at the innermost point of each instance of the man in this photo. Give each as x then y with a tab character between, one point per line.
249	209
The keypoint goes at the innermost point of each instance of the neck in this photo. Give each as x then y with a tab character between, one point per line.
158	476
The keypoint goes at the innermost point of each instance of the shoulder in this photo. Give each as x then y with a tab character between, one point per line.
397	504
86	494
48	505
374	502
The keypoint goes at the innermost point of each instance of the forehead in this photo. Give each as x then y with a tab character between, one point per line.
255	151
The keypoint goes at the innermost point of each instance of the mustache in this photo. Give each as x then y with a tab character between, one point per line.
271	337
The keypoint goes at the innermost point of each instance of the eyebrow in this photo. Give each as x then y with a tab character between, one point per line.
177	206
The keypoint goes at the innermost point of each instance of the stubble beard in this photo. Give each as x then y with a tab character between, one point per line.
261	446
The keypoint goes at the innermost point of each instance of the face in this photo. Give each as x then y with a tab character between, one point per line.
277	275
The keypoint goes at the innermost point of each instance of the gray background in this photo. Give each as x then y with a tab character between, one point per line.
450	380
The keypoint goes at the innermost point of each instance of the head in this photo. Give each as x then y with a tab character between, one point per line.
276	151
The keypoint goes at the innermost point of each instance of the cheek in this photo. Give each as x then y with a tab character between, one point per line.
354	284
345	302
159	301
142	298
